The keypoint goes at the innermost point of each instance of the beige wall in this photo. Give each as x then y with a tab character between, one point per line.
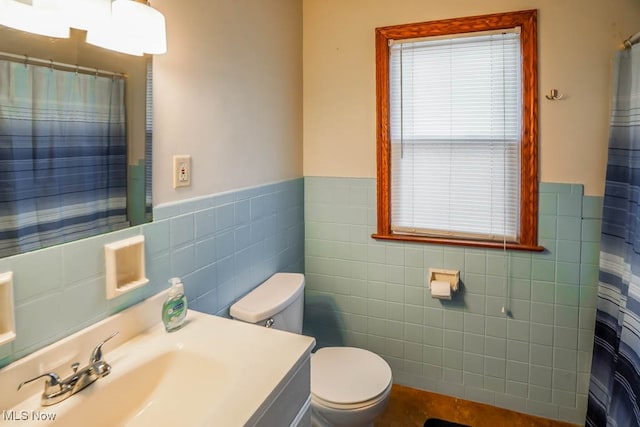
577	41
229	93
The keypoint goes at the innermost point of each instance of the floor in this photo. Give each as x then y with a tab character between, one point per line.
409	407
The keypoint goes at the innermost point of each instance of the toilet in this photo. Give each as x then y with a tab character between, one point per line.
349	386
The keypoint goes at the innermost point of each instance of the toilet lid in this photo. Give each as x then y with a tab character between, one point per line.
346	375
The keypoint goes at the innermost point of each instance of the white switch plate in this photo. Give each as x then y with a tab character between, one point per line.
181	171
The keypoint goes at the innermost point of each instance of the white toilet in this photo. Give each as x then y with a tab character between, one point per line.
349	386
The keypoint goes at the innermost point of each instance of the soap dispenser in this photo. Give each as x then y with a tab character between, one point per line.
174	309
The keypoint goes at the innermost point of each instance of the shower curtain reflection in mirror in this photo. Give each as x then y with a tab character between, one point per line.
63	156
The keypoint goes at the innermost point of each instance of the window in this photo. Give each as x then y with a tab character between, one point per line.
457	131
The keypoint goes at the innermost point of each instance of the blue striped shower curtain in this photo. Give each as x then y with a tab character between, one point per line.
614	389
63	156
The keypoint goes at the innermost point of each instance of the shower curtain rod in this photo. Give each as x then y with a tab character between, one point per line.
25	59
632	40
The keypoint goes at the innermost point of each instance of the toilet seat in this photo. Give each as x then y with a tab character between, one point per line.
348	377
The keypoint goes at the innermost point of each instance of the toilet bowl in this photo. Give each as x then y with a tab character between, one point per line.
349	386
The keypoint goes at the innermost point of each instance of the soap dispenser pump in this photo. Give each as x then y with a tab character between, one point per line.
174	309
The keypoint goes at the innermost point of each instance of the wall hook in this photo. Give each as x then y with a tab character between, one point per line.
554	95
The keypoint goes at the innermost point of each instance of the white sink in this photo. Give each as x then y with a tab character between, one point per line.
213	371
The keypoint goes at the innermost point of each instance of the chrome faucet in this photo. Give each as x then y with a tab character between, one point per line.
57	390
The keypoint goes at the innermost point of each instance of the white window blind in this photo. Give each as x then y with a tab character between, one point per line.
455	114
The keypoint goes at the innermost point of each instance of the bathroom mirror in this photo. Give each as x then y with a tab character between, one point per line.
76	52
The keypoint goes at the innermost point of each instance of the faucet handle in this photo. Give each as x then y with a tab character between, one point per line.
96	355
53	380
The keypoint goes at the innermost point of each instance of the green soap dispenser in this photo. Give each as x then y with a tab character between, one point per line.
174	309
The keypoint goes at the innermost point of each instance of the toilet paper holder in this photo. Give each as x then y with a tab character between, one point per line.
442	275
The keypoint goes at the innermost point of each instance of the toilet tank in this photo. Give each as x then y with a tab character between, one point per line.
280	299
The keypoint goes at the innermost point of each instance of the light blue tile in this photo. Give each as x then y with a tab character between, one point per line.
497	265
474	323
542	334
434	317
569	228
496	327
433	336
452	359
205	252
517	371
473	363
35	326
495	367
541	355
205	223
540	375
547	226
570	205
548	204
540	394
543	270
564	398
517	389
475	263
495	347
157	237
592	207
565	337
542	313
568	273
566	316
520	267
471	379
183	261
588	296
552	187
473	343
567	295
225	244
564	380
182	230
591	230
590	253
39	272
589	274
518	351
432	355
568	251
395	255
225	216
520	289
453	376
517	330
475	283
454	320
453	340
565	359
433	257
543	292
494	384
454	259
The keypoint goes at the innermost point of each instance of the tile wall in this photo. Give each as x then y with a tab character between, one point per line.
221	246
372	294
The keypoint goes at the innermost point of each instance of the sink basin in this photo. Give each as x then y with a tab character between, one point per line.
148	394
213	371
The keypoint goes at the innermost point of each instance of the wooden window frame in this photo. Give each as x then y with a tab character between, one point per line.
527	21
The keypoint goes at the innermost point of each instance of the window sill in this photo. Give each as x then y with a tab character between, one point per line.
458	242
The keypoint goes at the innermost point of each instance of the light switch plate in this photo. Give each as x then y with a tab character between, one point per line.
181	171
